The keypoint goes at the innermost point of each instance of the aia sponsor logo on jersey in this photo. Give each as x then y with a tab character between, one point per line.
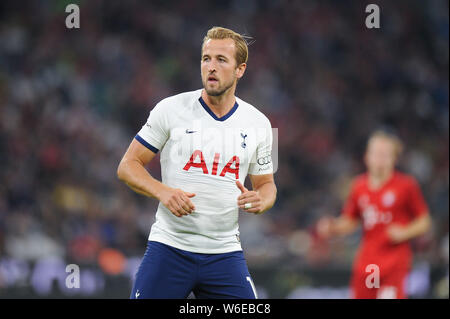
213	149
197	160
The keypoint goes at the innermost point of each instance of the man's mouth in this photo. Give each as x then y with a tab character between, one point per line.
212	79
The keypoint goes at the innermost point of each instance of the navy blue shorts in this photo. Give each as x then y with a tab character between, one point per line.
170	273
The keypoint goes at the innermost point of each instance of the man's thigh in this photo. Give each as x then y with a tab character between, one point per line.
391	285
224	276
165	272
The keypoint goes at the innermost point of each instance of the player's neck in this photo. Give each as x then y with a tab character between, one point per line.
376	181
220	105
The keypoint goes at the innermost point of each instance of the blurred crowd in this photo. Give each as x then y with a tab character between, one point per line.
71	100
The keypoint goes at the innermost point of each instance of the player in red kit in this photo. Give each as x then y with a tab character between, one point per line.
392	211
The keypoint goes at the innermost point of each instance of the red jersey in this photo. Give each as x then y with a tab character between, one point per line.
398	201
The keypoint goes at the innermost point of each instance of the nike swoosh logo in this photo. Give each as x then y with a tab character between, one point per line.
188	131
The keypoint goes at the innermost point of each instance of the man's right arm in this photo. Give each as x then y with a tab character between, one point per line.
132	172
347	222
340	226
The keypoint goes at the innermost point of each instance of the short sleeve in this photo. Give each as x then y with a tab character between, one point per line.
351	208
155	132
416	201
261	161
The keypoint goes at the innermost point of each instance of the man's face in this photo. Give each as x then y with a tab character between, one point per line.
218	66
380	156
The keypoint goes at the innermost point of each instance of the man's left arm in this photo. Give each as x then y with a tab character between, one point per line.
419	226
421	222
262	196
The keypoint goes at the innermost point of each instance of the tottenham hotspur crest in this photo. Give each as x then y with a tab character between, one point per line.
243	144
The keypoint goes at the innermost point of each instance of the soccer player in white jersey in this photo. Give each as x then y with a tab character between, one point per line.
209	141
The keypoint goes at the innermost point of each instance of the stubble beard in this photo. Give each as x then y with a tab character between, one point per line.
217	92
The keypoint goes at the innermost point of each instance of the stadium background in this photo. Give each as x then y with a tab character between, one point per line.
71	101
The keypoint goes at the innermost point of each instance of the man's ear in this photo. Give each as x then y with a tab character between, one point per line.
240	70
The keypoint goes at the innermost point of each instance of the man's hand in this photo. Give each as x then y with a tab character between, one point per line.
328	227
177	201
251	198
419	226
324	227
397	233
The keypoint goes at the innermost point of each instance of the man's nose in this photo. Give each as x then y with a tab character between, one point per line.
212	67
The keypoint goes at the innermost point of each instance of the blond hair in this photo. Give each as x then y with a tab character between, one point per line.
394	139
219	33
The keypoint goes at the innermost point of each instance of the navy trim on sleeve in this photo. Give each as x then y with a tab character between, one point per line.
147	145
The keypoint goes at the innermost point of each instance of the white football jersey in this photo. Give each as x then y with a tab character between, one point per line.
205	155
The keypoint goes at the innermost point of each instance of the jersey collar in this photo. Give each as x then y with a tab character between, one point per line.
210	112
